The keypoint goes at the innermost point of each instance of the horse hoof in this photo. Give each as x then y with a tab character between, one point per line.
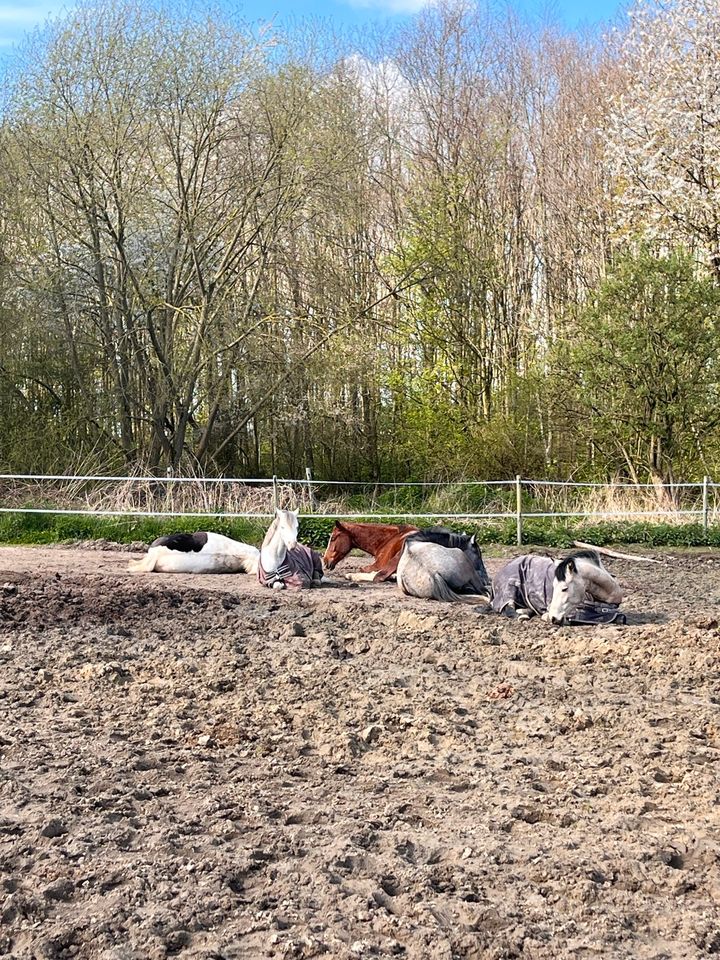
278	585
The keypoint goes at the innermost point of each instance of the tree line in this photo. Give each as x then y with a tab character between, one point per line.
472	246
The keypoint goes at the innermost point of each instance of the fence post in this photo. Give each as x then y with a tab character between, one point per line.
518	504
309	479
706	503
169	491
275	492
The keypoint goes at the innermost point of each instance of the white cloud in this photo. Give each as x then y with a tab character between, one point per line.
29	13
17	19
391	6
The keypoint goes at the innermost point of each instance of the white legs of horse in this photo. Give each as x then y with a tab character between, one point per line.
198	553
434	572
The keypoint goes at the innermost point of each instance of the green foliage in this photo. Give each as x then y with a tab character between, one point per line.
38	528
642	362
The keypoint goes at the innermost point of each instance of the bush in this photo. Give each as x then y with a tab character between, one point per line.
29	528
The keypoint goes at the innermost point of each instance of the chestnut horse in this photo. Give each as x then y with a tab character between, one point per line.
383	541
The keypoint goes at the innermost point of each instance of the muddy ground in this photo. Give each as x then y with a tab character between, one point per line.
197	767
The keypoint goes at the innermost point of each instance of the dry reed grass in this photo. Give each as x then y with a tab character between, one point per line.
605	502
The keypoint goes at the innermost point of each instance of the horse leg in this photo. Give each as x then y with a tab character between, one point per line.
361	576
147	563
389	570
379	575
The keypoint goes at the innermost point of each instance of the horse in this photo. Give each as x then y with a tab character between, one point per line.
432	571
200	552
449	538
554	589
283	561
383	541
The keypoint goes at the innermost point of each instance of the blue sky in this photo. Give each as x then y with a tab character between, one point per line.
23	15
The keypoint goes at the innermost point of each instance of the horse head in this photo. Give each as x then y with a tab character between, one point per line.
286	527
339	545
569	588
475	554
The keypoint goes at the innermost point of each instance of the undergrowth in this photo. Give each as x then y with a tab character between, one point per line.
40	528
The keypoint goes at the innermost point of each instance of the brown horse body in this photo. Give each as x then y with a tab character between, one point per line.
383	541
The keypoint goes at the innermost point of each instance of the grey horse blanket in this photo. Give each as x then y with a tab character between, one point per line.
302	568
527	583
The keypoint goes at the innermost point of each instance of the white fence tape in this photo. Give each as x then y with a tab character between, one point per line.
274	483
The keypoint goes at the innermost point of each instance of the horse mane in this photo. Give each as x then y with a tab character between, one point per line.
569	564
270	531
442	536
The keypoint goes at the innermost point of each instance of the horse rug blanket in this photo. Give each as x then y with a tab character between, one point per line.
302	567
527	583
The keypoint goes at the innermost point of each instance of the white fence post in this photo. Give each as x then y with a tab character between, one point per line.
169	490
275	492
706	502
518	504
311	496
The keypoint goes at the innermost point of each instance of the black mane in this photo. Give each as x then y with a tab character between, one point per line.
562	568
443	536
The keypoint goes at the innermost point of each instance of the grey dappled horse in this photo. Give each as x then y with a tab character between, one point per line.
438	564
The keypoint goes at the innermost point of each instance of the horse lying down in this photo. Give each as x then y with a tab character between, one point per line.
201	552
576	590
442	565
283	561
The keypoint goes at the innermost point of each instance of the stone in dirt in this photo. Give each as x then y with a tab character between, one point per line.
53	828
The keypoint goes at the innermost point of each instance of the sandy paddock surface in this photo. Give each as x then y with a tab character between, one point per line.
203	768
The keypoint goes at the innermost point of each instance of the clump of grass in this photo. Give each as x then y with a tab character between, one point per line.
38	528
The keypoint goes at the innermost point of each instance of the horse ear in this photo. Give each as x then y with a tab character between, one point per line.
571	566
472	541
296	513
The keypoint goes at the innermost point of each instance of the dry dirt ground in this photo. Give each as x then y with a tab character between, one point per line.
195	766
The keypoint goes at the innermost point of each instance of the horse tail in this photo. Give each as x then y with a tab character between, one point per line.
441	591
146	564
482	586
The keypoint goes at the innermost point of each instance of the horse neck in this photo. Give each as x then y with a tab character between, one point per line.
599	582
370	537
273	550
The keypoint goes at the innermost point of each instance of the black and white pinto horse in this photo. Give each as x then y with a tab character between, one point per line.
557	590
438	564
201	552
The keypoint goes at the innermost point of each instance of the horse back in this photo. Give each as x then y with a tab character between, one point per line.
182	542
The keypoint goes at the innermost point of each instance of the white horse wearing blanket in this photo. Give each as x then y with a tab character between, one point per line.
557	590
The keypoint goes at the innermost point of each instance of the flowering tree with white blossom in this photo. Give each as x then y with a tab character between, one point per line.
664	131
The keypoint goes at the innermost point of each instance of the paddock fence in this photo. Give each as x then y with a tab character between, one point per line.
518	500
